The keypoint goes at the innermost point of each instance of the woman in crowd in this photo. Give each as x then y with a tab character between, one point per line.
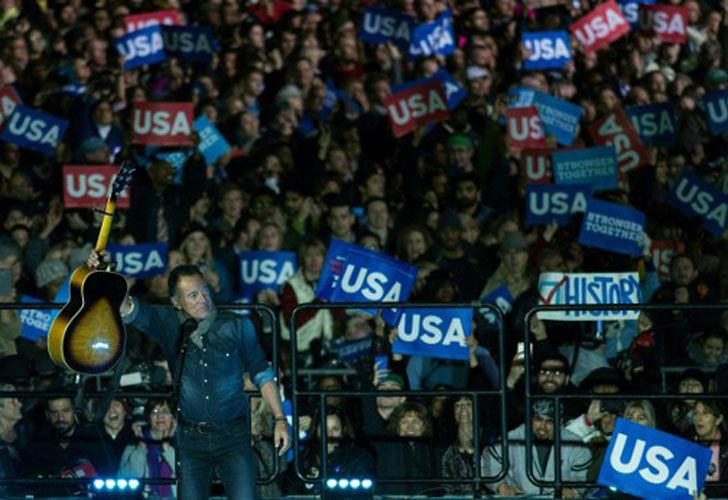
412	455
154	455
710	431
413	242
458	460
196	248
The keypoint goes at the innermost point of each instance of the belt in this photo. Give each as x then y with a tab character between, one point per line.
211	427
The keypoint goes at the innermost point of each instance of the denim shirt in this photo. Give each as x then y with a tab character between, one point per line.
212	388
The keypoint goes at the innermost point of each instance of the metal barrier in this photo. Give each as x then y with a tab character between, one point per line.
558	484
322	395
262	310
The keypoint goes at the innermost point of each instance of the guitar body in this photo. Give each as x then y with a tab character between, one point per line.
88	334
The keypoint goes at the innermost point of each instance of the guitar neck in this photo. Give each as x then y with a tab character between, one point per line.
106	225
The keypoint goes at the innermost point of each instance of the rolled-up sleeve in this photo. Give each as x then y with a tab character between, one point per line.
257	367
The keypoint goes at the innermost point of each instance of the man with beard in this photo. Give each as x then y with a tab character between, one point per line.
468	197
552	375
575	456
455	256
64	448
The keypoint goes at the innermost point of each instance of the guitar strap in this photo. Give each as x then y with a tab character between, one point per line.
105	402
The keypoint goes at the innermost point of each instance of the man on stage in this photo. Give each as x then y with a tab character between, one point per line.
214	422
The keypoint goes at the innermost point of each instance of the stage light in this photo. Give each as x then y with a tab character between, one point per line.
331	483
366	483
98	484
343	483
122	484
354	483
133	484
110	484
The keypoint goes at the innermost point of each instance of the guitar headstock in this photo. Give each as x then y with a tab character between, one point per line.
123	177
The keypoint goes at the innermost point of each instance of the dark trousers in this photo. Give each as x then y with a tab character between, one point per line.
222	448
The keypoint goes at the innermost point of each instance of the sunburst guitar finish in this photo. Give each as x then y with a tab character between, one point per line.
88	335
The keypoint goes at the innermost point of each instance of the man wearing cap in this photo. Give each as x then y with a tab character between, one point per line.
377	412
460	148
479	84
575	456
690	381
513	269
49	276
455	257
551	375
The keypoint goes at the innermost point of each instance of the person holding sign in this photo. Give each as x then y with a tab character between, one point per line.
208	351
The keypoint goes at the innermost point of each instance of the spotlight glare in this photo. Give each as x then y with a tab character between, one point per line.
133	484
121	484
331	483
110	484
98	483
343	483
366	483
354	483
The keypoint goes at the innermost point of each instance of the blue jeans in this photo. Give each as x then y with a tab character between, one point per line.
226	450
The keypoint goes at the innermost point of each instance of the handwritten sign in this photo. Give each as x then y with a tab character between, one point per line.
560	289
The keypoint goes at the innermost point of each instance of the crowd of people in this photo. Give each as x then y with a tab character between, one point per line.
301	100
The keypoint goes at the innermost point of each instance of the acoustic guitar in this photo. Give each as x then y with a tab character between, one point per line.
88	336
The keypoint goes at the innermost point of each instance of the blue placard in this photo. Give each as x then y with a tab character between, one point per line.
716	110
595	166
435	333
520	97
433	39
332	268
37	322
696	198
349	351
261	270
454	92
648	463
547	203
548	49
612	227
655	123
212	144
176	159
382	26
189	43
355	274
631	10
140	47
502	298
140	261
560	118
31	129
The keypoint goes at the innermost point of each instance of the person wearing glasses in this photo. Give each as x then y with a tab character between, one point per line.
551	373
154	455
